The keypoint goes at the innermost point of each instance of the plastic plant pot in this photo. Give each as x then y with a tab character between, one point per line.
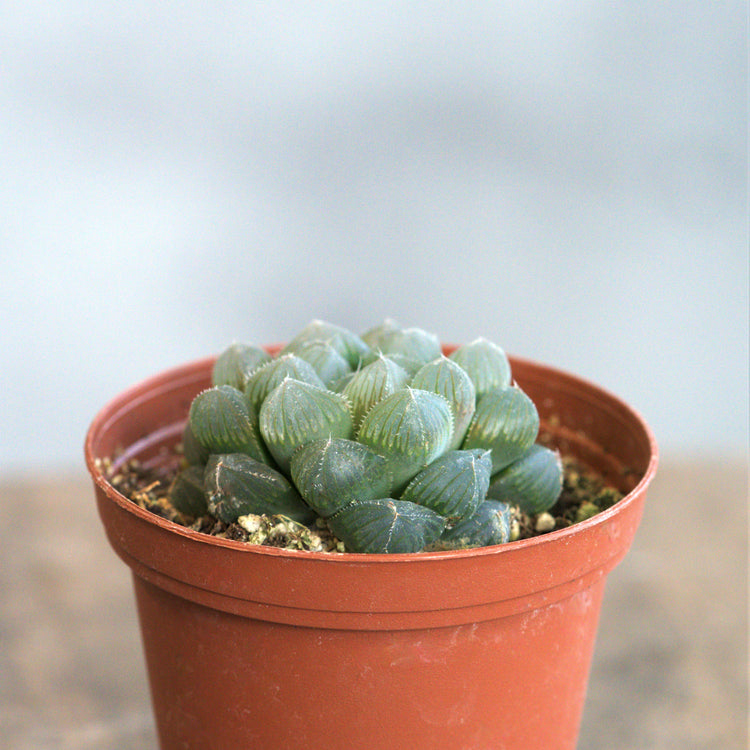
259	647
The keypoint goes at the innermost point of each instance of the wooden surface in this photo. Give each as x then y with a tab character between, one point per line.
670	668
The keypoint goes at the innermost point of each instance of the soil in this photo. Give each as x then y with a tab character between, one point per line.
584	494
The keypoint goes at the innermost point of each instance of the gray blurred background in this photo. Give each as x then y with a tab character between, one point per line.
566	178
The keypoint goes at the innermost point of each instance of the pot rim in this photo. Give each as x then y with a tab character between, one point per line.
109	413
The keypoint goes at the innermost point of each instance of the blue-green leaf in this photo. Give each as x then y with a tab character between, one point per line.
330	366
332	473
236	363
237	485
490	524
222	421
269	376
453	485
409	347
533	482
373	383
296	413
350	346
486	363
449	379
386	525
506	422
410	428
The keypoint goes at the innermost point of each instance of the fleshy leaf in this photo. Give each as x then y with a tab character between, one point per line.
506	422
490	524
222	421
350	346
296	413
236	363
195	454
409	347
330	474
373	336
386	525
327	362
411	428
237	485
373	383
337	386
270	375
449	379
486	364
453	485
533	482
186	492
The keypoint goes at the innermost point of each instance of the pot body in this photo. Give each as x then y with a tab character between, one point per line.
256	647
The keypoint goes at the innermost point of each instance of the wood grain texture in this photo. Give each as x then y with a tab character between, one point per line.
670	667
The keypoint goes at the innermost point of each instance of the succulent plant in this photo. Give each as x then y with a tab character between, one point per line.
397	447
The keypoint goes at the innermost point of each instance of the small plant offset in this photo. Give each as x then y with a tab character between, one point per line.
398	447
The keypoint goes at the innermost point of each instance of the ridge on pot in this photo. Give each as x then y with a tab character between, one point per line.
264	647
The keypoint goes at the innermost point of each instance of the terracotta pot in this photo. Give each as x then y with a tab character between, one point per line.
256	647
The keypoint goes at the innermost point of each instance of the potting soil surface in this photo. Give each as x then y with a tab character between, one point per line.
583	495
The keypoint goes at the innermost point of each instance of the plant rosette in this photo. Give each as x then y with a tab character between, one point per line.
484	642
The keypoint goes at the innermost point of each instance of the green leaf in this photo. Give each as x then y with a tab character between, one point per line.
386	525
237	485
490	524
195	454
505	422
186	492
533	482
411	428
486	364
350	346
449	379
236	363
453	485
374	336
332	473
269	376
222	421
296	413
330	366
409	347
373	383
